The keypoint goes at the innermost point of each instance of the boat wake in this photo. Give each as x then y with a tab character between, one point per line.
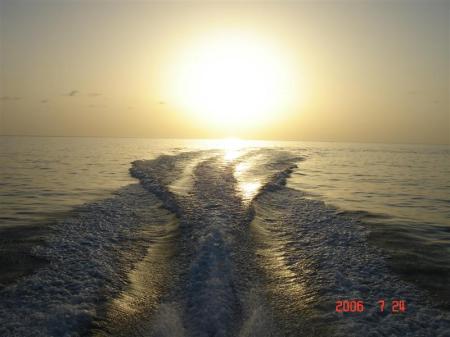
212	245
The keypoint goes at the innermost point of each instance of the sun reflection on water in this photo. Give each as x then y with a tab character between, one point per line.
248	184
235	152
249	189
232	148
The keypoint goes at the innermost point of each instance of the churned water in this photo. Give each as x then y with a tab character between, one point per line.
227	238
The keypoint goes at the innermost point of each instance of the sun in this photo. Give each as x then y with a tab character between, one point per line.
233	80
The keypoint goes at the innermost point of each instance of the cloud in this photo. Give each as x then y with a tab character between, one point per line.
72	93
161	103
10	98
96	106
44	101
94	94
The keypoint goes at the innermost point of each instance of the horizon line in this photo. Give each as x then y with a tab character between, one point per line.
243	139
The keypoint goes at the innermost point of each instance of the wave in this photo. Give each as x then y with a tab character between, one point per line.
90	255
296	256
196	254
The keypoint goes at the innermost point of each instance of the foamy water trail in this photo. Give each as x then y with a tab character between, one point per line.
90	255
224	249
211	220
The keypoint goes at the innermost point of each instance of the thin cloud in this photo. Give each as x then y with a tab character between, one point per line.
96	106
10	98
72	93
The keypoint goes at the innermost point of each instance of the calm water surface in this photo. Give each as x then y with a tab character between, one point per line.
404	183
407	184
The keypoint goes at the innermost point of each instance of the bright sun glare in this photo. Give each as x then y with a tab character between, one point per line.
233	80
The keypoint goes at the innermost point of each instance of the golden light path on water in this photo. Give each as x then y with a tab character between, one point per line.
271	245
235	151
149	279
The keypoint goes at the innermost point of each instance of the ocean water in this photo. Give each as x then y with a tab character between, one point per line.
227	238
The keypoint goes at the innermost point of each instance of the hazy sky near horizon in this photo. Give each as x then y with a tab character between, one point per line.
369	71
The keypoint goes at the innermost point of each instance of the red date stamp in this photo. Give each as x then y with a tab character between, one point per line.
395	306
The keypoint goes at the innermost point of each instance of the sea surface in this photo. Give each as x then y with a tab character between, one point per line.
226	237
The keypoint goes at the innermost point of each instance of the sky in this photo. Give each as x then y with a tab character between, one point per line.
350	71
